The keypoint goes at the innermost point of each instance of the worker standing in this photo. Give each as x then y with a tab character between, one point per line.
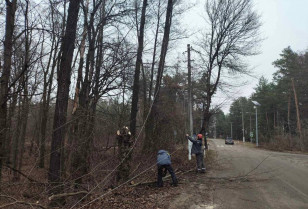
197	150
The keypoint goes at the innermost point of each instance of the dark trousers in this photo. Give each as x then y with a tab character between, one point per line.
200	162
160	174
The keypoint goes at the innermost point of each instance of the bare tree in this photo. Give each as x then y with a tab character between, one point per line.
104	64
136	85
4	79
48	74
232	35
152	128
158	16
64	77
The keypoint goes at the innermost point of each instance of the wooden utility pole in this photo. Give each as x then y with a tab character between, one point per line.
243	124
289	126
231	131
189	101
299	128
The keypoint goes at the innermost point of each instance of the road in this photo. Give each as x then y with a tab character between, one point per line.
247	177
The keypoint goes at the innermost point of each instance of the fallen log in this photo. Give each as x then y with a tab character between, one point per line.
21	173
16	202
56	196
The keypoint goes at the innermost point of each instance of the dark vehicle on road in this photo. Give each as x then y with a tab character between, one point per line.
229	140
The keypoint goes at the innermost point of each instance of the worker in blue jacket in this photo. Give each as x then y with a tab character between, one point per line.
164	165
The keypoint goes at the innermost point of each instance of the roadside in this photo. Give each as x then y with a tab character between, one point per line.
142	192
197	190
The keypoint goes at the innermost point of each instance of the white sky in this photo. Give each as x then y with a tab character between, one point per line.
285	23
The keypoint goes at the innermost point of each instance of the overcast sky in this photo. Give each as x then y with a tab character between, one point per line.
284	23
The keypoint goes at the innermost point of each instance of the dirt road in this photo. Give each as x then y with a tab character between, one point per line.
246	177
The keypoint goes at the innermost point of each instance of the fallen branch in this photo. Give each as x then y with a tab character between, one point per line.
21	173
136	168
164	178
23	203
257	166
20	202
56	196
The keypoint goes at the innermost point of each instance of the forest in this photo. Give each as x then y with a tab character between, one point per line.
282	114
91	90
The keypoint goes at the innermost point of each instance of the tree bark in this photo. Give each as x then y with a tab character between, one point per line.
83	126
45	110
16	139
4	80
24	116
289	124
64	76
136	86
151	126
12	108
154	52
46	93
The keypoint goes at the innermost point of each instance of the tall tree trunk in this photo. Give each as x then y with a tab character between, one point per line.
81	62
154	52
25	100
136	86
274	120
76	112
190	109
4	79
12	108
24	116
152	129
145	102
206	108
210	91
64	75
45	109
16	139
289	124
82	114
47	92
164	49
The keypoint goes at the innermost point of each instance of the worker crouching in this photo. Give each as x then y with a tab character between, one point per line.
164	165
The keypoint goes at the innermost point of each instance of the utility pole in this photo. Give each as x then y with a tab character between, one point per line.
299	128
215	131
189	102
231	131
243	125
256	104
257	139
250	127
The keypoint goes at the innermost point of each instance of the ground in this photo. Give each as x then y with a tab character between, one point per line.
147	195
238	176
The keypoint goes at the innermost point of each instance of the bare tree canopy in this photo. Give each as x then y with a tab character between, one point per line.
232	33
